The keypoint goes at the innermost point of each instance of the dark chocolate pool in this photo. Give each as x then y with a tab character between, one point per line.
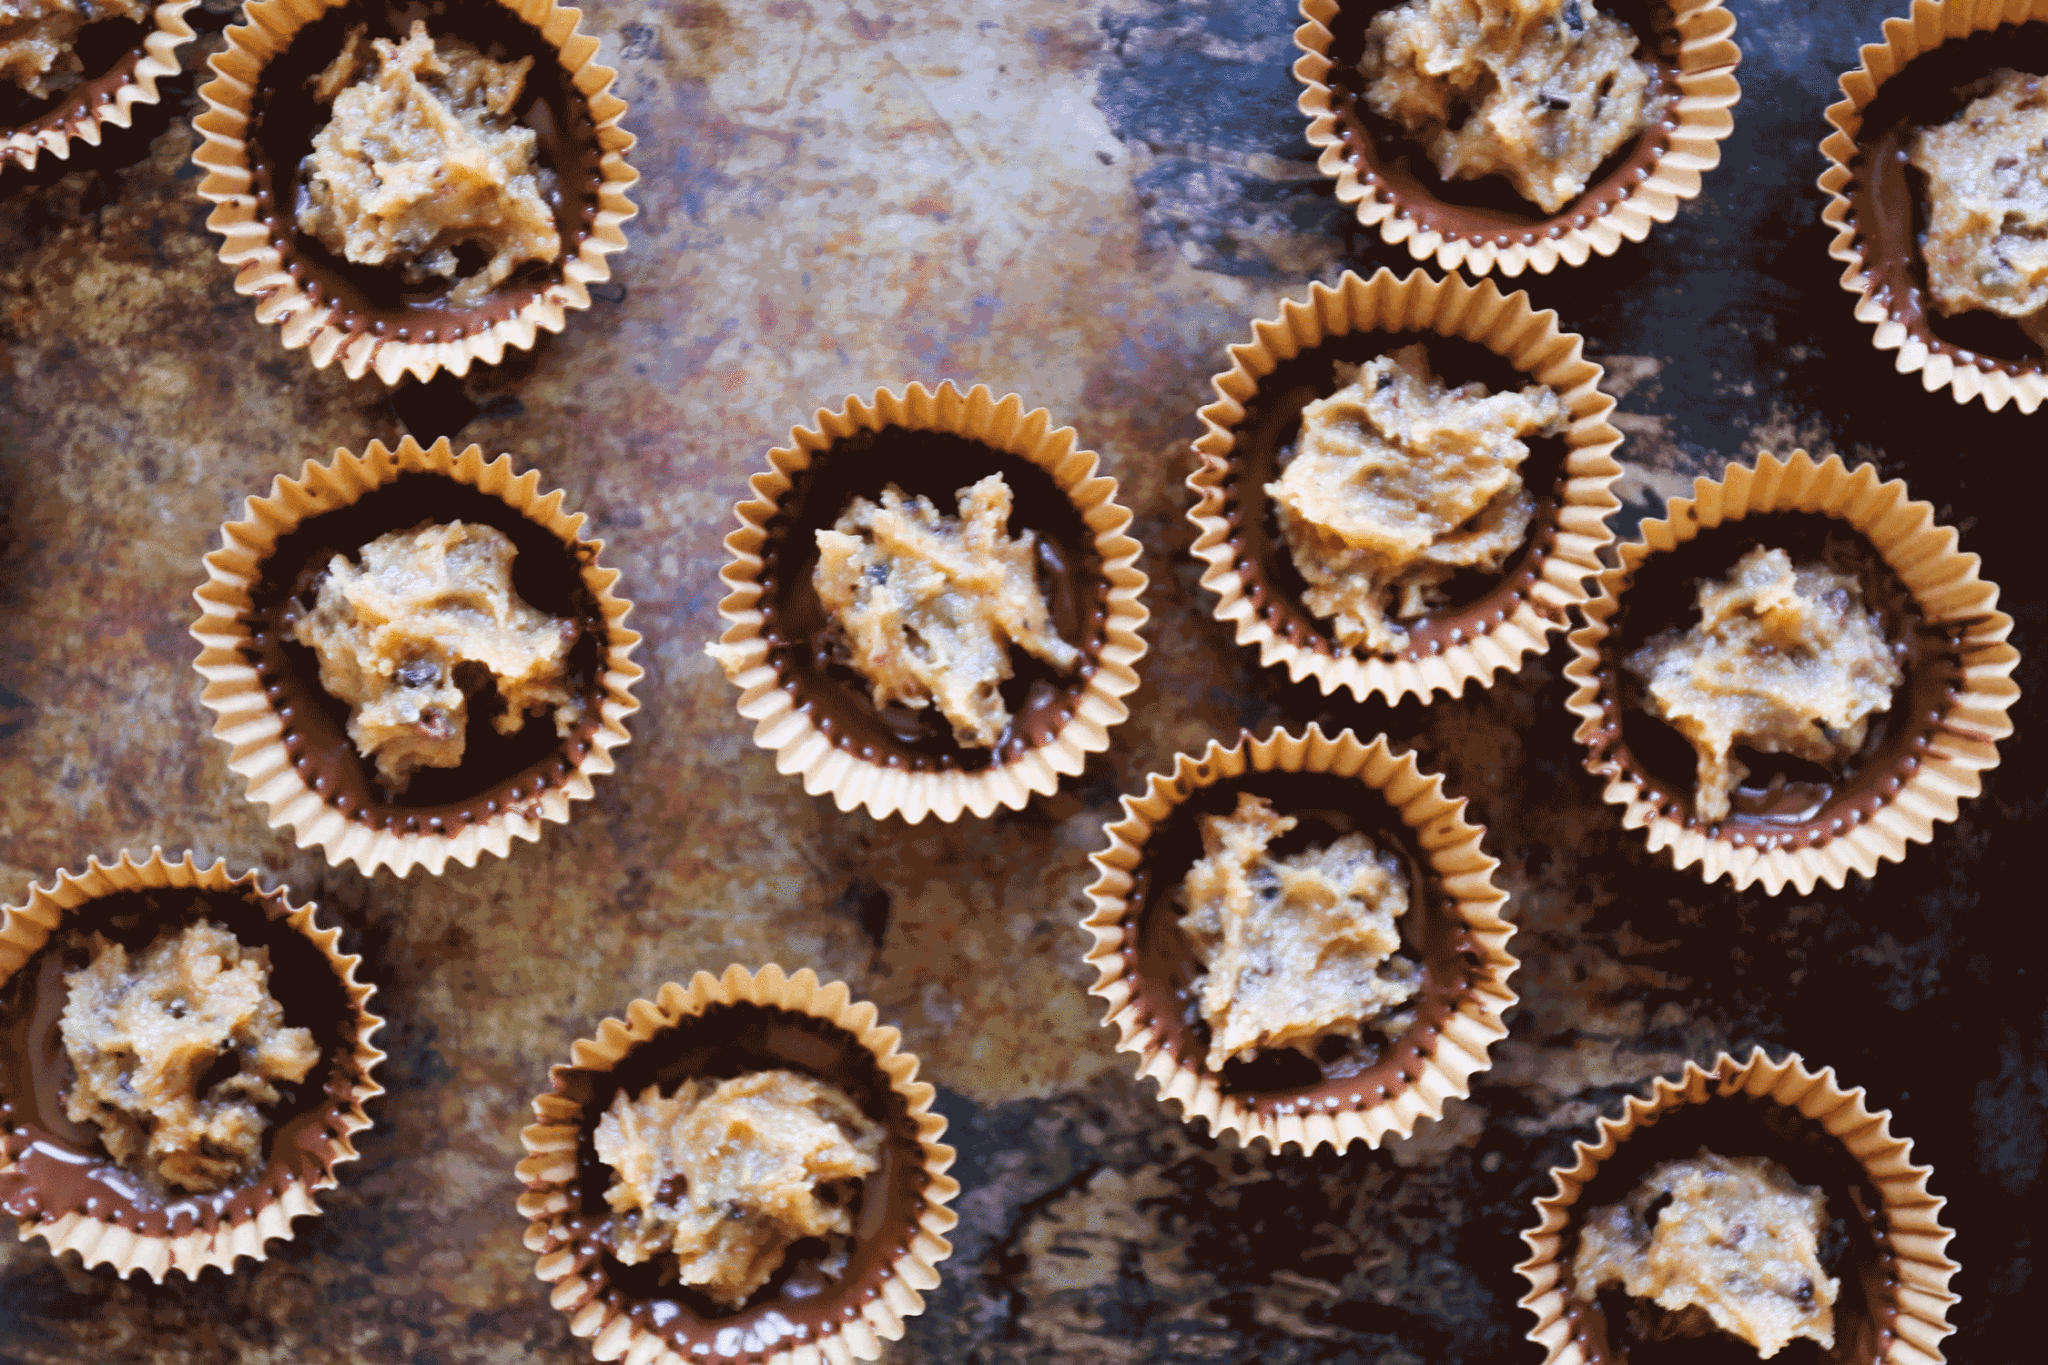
497	772
936	465
1785	802
819	1288
61	1167
110	50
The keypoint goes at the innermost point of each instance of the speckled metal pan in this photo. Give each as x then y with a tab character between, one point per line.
105	100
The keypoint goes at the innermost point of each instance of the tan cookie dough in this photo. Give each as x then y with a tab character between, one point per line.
37	38
728	1175
1784	660
926	606
1541	91
1986	244
143	1033
1736	1237
422	156
429	618
1398	482
1298	949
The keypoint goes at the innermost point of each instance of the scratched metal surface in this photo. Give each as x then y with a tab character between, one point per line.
1084	202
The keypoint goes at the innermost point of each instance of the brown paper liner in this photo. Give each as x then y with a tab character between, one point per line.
1910	1216
873	1313
1944	584
318	325
828	768
106	100
1695	121
25	928
1443	1057
1526	606
1967	376
248	722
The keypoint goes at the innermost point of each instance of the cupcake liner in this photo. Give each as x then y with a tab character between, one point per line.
26	927
248	720
106	100
550	1175
831	766
1911	1217
1443	1057
1966	375
1696	118
1942	581
250	243
1521	612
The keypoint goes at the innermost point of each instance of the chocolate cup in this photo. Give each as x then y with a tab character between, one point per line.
130	60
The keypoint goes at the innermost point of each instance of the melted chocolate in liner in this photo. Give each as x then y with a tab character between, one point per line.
1271	424
113	47
1040	699
1785	802
1856	1249
1886	204
1165	969
60	1167
497	772
284	116
816	1291
1391	165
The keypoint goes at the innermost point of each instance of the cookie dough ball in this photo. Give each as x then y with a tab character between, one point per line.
38	38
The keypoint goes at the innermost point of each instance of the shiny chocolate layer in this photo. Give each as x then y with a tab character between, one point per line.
1041	700
113	48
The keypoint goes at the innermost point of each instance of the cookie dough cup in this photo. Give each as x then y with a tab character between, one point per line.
1472	332
57	1181
128	59
1146	968
1923	756
288	738
1908	81
258	124
1483	225
817	717
1893	1308
724	1026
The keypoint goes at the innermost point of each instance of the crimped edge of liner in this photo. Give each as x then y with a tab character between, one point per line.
1932	24
23	145
260	269
1512	329
549	1168
797	743
1453	847
1912	1214
26	927
249	725
1707	93
1943	581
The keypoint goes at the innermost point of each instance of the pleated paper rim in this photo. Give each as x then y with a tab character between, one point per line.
1943	582
248	723
26	927
797	743
1932	24
549	1171
1707	94
1506	325
1912	1215
24	144
260	269
1452	844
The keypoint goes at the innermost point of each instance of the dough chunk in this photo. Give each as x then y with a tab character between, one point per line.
728	1175
1398	482
428	619
143	1034
37	38
927	606
1295	949
1737	1237
1541	91
1784	660
1986	244
422	156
